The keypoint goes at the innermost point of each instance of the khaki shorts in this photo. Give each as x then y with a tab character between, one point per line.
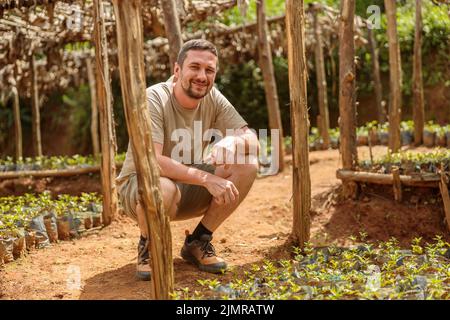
194	200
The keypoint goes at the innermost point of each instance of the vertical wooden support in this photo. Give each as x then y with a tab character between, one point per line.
347	108
301	188
395	70
94	109
104	98
270	86
443	186
173	30
321	80
419	109
17	123
132	79
397	185
35	112
376	76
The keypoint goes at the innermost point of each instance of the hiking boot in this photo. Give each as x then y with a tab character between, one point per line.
143	271
202	254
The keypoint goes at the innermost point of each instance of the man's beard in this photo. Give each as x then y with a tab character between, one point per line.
191	93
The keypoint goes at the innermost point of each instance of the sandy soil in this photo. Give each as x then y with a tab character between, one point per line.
258	230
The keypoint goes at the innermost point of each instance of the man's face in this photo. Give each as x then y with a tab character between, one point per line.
197	74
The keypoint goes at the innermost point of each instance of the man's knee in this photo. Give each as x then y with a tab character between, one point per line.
246	171
170	192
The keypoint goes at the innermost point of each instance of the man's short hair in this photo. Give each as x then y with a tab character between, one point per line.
196	44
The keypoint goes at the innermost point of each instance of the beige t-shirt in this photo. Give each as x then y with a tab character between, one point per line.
185	133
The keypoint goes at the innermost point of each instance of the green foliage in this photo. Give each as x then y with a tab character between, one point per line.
16	212
411	162
365	271
53	162
234	17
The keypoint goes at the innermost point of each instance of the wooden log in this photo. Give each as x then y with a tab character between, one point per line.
107	134
173	30
17	123
51	172
137	115
418	109
270	86
377	86
35	113
94	109
425	181
321	79
347	108
395	71
443	186
301	181
397	184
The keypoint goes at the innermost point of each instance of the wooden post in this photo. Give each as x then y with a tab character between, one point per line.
419	109
104	98
94	110
132	79
376	76
301	188
395	70
443	186
397	185
173	30
35	113
347	108
321	80
270	86
17	123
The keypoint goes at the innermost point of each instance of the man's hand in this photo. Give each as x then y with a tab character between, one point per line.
222	190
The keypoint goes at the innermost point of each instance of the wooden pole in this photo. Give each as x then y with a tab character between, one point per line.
321	80
270	86
132	79
376	76
104	98
301	188
419	109
397	185
173	30
347	109
395	70
443	186
94	109
35	113
17	123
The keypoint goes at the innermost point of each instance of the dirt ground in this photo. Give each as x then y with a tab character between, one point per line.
258	230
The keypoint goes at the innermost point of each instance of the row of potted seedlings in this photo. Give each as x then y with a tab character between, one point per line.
52	162
410	163
31	222
378	134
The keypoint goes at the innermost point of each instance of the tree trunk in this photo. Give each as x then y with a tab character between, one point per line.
419	109
376	76
173	30
347	93
395	69
94	110
301	188
17	123
347	109
321	81
270	86
35	113
132	79
107	134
